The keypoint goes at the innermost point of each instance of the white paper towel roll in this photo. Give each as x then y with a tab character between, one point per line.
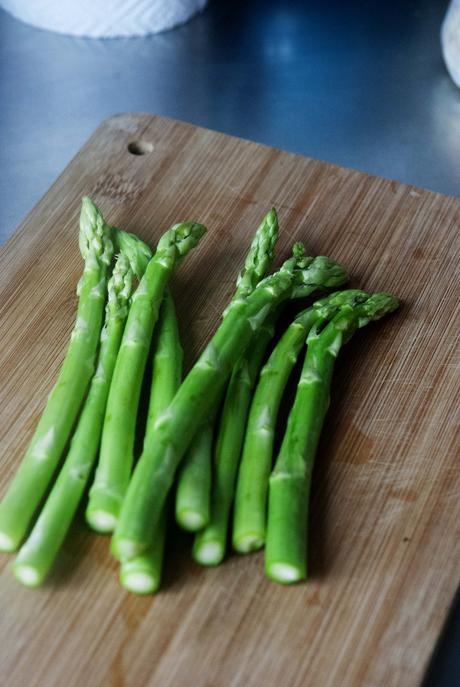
104	18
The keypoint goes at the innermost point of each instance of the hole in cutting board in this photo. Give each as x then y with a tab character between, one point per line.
140	147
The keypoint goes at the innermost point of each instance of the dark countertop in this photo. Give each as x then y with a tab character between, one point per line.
358	84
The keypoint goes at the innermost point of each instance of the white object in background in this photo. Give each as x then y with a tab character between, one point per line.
104	18
450	40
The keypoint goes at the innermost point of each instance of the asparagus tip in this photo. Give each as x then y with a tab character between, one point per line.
272	216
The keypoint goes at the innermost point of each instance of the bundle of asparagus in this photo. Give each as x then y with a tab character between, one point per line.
210	436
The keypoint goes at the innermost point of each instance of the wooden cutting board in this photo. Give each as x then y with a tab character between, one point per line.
384	555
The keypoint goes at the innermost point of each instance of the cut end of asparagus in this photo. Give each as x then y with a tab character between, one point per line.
190	520
101	521
208	553
125	549
138	582
27	575
7	543
284	573
248	543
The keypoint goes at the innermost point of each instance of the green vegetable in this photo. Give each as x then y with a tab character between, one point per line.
116	457
249	519
289	485
42	546
210	544
192	404
142	574
56	423
194	480
166	365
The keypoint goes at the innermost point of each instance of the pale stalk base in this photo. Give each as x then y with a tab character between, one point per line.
6	543
248	543
138	582
283	573
27	575
101	521
210	553
190	520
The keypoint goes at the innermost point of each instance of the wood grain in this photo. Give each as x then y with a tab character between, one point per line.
384	550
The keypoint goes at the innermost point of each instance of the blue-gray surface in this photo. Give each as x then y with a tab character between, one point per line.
357	83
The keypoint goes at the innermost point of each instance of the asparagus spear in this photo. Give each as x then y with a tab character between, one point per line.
116	457
289	485
197	394
39	551
210	544
167	363
53	430
249	517
194	481
142	574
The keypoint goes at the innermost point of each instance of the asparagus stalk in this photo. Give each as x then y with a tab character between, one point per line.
289	484
56	423
194	481
39	551
167	363
142	574
194	400
210	544
116	456
249	518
